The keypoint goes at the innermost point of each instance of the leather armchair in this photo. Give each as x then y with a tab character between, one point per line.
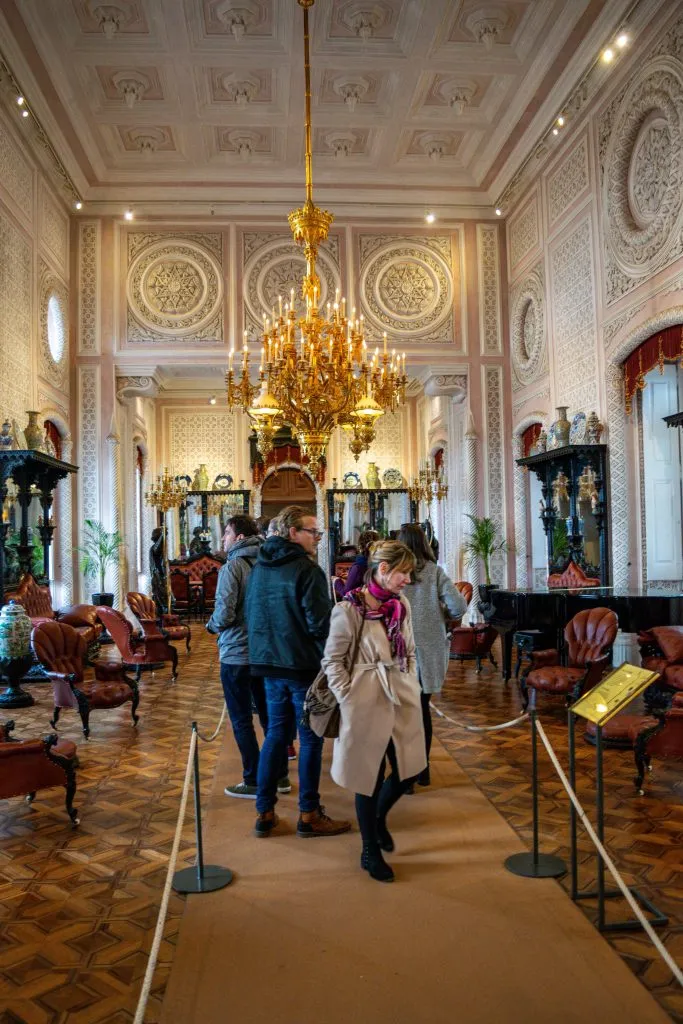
29	765
36	600
209	587
661	650
62	652
473	642
466	589
573	577
589	637
168	625
145	652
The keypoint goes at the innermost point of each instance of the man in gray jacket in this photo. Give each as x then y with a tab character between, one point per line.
241	543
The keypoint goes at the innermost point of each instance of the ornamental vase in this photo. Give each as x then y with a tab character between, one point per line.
201	478
15	632
33	433
372	479
561	427
594	429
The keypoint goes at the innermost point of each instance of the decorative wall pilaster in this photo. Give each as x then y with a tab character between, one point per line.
88	447
622	521
65	529
494	479
521	514
114	454
472	505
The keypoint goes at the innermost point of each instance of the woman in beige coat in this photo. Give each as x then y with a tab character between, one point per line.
379	697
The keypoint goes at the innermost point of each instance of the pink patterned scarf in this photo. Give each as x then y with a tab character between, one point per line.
391	612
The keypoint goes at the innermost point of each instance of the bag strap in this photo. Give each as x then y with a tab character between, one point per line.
358	639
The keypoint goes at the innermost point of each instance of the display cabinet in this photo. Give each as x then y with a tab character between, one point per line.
350	511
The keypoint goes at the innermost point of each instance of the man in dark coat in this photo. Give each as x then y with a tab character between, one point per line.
288	609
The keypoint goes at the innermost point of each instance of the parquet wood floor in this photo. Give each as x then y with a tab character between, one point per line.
78	907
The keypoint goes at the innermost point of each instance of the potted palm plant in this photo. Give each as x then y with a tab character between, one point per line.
99	550
482	542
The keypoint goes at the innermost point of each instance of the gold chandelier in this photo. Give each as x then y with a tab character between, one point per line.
316	372
429	483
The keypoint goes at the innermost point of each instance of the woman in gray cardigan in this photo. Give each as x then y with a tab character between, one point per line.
433	599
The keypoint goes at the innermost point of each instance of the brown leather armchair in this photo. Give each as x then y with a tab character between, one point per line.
62	651
473	642
36	600
209	587
466	589
146	652
661	650
168	626
29	765
589	636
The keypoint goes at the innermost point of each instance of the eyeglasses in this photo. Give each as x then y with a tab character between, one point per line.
314	533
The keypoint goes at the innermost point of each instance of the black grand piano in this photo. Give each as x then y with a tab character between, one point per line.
551	609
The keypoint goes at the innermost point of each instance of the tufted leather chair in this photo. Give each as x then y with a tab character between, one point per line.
661	650
183	598
144	610
464	588
589	637
140	653
573	578
62	651
36	600
29	765
473	642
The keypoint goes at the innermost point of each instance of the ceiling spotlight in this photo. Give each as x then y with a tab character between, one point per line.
622	40
499	212
556	131
78	205
430	217
20	101
129	215
560	121
24	113
608	55
212	400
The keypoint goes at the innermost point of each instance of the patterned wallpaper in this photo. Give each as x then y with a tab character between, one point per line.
387	450
16	271
195	437
15	174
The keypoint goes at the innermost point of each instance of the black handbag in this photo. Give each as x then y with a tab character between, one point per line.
321	708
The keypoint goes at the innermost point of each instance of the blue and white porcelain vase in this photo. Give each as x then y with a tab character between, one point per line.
15	632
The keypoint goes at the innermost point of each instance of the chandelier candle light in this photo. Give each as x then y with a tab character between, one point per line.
316	371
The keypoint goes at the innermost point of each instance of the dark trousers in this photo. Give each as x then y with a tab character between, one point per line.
386	793
239	689
285	697
427	721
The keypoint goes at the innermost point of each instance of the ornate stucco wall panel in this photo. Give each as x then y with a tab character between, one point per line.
524	233
406	288
494	457
569	183
89	442
574	319
272	265
528	336
195	436
388	451
54	229
488	262
16	175
641	160
16	318
53	370
89	287
174	288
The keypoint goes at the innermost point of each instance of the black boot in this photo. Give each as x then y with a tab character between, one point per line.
424	778
373	862
384	837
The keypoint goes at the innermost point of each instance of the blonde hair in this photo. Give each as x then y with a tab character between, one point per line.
396	555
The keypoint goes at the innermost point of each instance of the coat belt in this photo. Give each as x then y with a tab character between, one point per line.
382	667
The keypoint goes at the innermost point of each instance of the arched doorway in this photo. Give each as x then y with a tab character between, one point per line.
287	487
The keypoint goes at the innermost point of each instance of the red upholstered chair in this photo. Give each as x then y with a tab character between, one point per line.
170	627
145	652
62	651
183	598
209	585
29	765
573	578
473	642
661	650
36	600
589	636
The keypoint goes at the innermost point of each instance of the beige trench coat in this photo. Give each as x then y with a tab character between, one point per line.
377	703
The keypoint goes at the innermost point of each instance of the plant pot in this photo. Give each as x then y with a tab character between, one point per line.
106	599
485	590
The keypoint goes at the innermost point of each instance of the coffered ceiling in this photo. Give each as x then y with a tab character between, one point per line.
202	100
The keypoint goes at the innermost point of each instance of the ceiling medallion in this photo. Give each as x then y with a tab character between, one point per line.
316	372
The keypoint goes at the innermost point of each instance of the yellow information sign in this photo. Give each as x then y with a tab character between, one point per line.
613	692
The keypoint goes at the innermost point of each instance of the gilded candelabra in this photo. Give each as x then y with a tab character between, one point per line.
316	371
429	483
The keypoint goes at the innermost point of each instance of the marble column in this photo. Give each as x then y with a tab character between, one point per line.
472	508
519	482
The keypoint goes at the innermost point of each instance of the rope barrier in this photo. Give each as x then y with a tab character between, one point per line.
479	728
163	909
212	737
649	930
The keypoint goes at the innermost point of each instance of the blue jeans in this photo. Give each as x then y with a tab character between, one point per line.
282	697
239	687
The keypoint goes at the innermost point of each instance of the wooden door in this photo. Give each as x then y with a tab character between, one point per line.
287	487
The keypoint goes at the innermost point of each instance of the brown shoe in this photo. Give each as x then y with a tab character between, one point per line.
265	823
317	823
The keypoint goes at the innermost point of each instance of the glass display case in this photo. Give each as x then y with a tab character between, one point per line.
197	525
351	511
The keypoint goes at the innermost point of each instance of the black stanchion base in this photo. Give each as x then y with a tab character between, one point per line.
214	877
545	865
658	919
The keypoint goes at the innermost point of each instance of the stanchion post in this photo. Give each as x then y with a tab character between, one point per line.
200	878
600	813
535	864
571	726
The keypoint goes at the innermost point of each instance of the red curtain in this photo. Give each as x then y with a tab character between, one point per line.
55	437
664	347
529	438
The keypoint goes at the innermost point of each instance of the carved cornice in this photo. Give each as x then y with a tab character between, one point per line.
137	387
448	382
